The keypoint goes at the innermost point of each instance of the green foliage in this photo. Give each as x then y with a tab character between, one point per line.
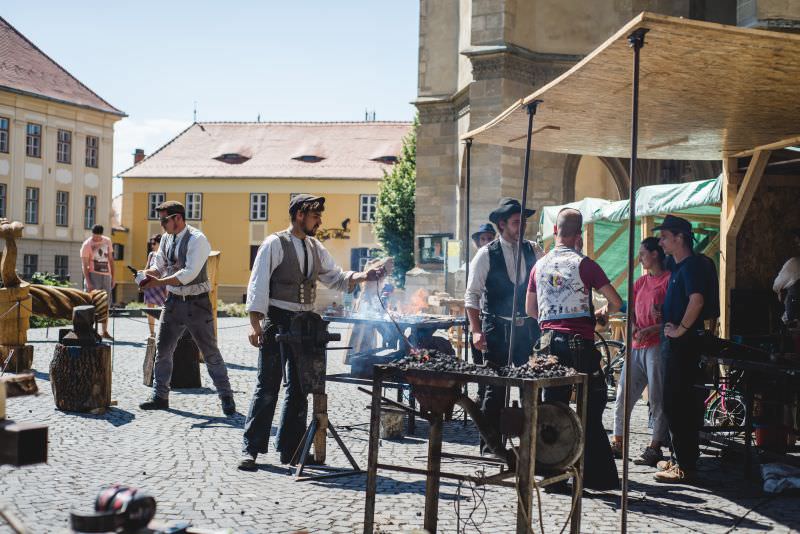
47	279
135	305
231	309
394	220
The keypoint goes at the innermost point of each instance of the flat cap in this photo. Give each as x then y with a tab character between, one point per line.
303	198
171	207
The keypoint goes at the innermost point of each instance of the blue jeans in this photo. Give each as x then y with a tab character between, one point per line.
294	412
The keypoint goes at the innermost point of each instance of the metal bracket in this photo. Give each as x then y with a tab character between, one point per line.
636	39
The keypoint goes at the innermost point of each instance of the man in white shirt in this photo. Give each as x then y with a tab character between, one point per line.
489	298
787	284
282	284
180	264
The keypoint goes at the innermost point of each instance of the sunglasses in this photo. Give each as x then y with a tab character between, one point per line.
168	217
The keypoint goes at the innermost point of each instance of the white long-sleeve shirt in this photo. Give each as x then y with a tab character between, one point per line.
789	275
479	270
197	253
270	255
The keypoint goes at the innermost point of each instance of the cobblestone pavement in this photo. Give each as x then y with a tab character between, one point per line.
186	458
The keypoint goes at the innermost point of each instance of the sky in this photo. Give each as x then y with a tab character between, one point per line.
306	60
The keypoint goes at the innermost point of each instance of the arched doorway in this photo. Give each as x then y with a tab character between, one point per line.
592	176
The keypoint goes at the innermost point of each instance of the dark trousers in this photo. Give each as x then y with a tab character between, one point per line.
262	408
477	359
498	333
600	470
683	402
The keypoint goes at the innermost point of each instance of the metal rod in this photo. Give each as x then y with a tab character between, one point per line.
531	108
467	246
636	42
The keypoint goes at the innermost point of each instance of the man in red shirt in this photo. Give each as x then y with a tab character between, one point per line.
560	297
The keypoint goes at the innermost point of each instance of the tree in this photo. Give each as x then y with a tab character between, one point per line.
394	219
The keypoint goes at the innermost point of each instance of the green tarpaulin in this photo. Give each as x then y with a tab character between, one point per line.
696	201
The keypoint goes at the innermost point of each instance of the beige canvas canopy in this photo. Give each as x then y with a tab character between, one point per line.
706	91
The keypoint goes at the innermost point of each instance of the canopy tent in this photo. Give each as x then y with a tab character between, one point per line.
705	92
604	222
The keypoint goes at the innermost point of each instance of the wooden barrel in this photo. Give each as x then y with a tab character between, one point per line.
81	377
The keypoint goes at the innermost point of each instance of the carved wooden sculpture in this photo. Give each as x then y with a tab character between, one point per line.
10	231
57	302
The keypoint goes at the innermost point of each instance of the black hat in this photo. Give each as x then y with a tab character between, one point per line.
676	225
171	207
507	207
482	229
297	202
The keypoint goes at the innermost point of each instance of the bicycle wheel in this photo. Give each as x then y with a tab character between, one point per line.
613	353
726	411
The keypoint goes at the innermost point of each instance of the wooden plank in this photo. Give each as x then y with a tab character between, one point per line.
777	145
727	252
699	64
618	232
748	189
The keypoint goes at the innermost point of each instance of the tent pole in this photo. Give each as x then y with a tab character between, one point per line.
467	246
636	41
531	107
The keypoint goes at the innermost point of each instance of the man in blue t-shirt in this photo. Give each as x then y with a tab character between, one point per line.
683	318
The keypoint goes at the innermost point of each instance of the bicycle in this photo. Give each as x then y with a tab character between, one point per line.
613	353
725	407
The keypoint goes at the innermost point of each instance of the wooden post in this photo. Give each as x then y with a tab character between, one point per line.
372	455
588	240
320	437
736	201
434	468
212	269
527	457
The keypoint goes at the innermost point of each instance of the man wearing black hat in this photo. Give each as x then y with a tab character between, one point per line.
489	299
180	264
682	311
484	235
560	297
283	283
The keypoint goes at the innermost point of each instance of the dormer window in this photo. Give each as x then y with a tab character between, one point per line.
386	160
232	158
309	159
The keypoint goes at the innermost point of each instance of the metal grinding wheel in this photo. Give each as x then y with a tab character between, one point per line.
559	438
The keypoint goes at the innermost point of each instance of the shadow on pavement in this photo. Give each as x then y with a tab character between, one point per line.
211	421
115	416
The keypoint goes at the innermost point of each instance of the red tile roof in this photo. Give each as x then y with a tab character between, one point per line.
268	149
26	69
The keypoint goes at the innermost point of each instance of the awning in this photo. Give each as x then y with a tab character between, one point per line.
707	91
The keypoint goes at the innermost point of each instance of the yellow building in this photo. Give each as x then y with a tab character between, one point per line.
56	144
236	179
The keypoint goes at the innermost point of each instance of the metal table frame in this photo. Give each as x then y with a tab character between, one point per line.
345	378
525	478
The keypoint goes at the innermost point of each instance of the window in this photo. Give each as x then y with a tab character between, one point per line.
4	135
386	160
62	208
253	253
30	264
33	140
61	269
358	258
258	206
194	206
309	158
232	158
64	148
369	204
118	249
89	211
92	150
31	205
153	200
2	200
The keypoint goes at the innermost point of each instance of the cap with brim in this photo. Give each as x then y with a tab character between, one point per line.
297	202
507	207
482	229
675	224
171	207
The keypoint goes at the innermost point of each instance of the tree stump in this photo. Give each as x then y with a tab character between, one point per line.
21	358
185	363
81	377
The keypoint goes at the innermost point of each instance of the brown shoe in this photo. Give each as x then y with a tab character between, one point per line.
674	475
665	465
616	448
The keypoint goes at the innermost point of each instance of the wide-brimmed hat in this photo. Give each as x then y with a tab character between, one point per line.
482	229
507	207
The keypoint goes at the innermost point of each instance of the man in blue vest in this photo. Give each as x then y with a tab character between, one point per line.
489	300
560	297
180	264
